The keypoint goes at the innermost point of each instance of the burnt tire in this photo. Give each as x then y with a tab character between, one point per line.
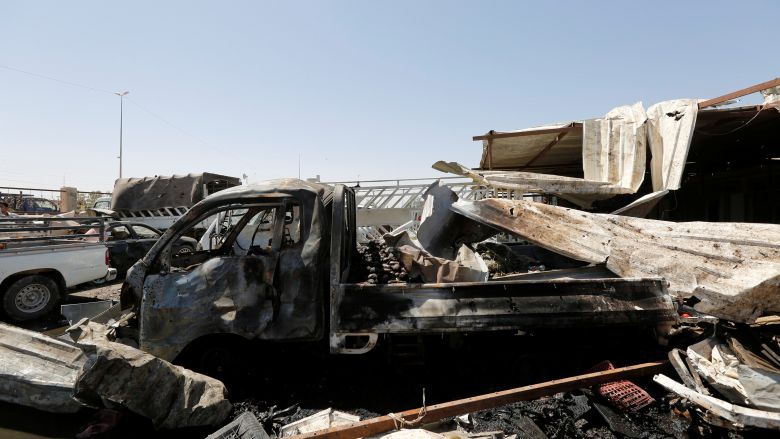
184	250
30	297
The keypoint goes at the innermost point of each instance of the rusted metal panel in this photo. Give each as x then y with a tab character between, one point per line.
739	93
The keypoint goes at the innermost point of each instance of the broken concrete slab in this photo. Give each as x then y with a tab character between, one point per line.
38	371
732	268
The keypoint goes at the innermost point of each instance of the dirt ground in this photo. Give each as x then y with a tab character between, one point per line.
107	291
88	292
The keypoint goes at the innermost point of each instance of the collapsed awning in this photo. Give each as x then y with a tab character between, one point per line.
592	159
601	157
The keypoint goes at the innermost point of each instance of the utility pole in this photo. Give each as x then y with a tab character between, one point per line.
121	95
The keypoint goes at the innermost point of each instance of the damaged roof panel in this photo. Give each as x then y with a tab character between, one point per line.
539	148
733	268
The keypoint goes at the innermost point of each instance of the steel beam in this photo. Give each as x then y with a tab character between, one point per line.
436	412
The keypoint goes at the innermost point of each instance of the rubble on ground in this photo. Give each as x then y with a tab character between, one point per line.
38	371
732	377
87	369
502	261
379	264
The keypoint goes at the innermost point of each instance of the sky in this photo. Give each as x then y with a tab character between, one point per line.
358	90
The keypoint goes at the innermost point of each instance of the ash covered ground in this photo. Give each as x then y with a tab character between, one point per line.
377	383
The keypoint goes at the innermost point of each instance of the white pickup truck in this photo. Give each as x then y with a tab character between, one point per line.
38	262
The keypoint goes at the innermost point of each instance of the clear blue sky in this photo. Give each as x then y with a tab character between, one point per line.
369	89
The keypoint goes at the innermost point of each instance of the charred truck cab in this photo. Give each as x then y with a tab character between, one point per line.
265	275
277	268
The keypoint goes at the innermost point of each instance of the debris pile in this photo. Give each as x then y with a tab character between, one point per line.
501	260
379	264
86	369
732	378
579	414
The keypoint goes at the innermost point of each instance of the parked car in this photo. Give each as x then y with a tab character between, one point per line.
26	204
36	268
161	200
102	203
128	242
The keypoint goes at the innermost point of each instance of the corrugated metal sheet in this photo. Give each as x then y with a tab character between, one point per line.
516	152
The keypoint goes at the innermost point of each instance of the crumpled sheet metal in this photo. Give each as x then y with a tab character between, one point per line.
38	371
577	190
442	232
53	375
772	97
164	191
736	414
737	382
417	262
171	396
670	126
733	268
614	149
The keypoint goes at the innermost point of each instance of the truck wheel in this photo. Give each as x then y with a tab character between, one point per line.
30	297
184	250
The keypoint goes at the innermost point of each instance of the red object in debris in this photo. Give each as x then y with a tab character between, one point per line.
104	420
685	315
624	395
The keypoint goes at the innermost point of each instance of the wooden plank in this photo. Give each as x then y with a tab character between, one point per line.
459	407
739	93
555	141
492	135
681	367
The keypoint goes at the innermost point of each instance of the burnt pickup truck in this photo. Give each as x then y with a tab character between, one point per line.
280	271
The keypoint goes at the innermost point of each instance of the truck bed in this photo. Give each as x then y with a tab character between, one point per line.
501	305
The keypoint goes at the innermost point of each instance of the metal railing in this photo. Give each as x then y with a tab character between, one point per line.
29	228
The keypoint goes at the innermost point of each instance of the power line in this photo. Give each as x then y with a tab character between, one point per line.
132	101
73	84
100	90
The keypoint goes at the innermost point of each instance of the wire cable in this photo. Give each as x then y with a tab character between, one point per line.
182	130
73	84
100	90
710	133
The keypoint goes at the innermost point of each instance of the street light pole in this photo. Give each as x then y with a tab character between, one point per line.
121	109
